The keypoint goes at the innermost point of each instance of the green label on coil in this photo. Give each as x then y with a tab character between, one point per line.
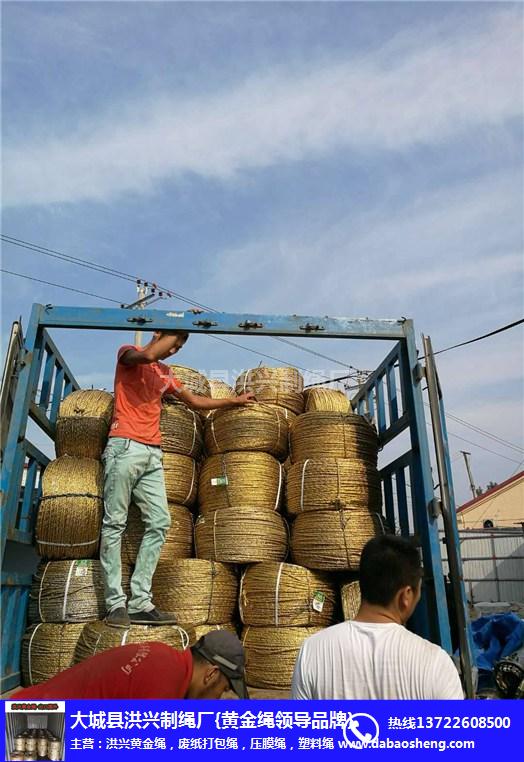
82	567
219	481
318	600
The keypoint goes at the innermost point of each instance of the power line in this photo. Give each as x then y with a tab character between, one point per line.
484	433
88	264
479	338
59	285
475	444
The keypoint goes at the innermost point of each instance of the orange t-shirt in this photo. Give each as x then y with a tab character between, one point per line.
138	399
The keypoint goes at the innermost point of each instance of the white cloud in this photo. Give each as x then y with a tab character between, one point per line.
416	91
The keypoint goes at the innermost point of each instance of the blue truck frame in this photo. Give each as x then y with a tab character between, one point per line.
392	395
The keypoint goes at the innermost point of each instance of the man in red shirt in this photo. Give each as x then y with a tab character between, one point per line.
152	670
133	472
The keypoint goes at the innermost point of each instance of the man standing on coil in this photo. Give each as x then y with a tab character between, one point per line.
133	471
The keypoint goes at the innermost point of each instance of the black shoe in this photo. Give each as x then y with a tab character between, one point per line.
118	618
155	616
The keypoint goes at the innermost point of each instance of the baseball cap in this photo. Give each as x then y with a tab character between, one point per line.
223	649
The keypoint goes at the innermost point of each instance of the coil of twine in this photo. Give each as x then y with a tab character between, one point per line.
276	386
179	537
181	478
254	427
192	380
203	629
333	435
241	535
220	390
70	591
286	595
48	649
350	595
240	478
71	508
333	540
326	400
84	418
181	430
271	653
98	636
197	591
331	483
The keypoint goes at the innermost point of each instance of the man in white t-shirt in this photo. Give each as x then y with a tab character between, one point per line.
374	656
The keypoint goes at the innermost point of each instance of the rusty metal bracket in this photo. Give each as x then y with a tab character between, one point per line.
247	324
204	323
309	327
139	320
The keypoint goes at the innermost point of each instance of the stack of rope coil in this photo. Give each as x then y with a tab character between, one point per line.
83	424
328	483
220	390
193	380
327	400
241	535
350	595
181	430
197	591
179	537
203	629
333	435
240	478
181	478
48	649
271	653
97	636
70	591
70	513
286	595
333	540
254	427
277	386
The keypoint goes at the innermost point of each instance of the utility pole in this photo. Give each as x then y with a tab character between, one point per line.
148	294
470	475
142	293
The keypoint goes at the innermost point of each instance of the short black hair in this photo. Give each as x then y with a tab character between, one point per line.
183	334
388	563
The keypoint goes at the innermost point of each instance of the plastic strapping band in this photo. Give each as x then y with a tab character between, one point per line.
280	470
240	594
67	544
66	591
29	652
188	496
124	638
213	433
215	535
40	592
96	644
194	431
277	589
184	636
224	471
302	484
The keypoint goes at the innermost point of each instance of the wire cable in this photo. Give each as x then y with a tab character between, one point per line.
59	285
479	338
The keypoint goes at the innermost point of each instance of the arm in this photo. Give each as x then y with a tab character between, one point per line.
198	402
150	354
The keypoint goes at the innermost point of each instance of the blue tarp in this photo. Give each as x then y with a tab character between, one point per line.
495	637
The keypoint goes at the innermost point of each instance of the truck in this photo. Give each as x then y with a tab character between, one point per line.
36	378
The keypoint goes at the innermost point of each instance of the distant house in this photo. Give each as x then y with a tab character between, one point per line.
500	507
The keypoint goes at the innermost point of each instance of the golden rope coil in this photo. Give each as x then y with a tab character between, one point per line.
181	478
333	540
84	418
98	636
286	595
327	400
253	427
71	508
192	380
350	595
220	390
197	591
333	435
241	535
271	653
331	483
203	629
70	591
179	537
240	478
276	386
48	649
181	430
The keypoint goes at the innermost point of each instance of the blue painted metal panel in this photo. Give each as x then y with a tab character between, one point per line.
381	406
221	322
392	392
45	393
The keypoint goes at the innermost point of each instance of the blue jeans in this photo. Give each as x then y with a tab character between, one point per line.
132	473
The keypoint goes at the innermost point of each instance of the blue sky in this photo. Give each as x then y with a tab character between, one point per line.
359	159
